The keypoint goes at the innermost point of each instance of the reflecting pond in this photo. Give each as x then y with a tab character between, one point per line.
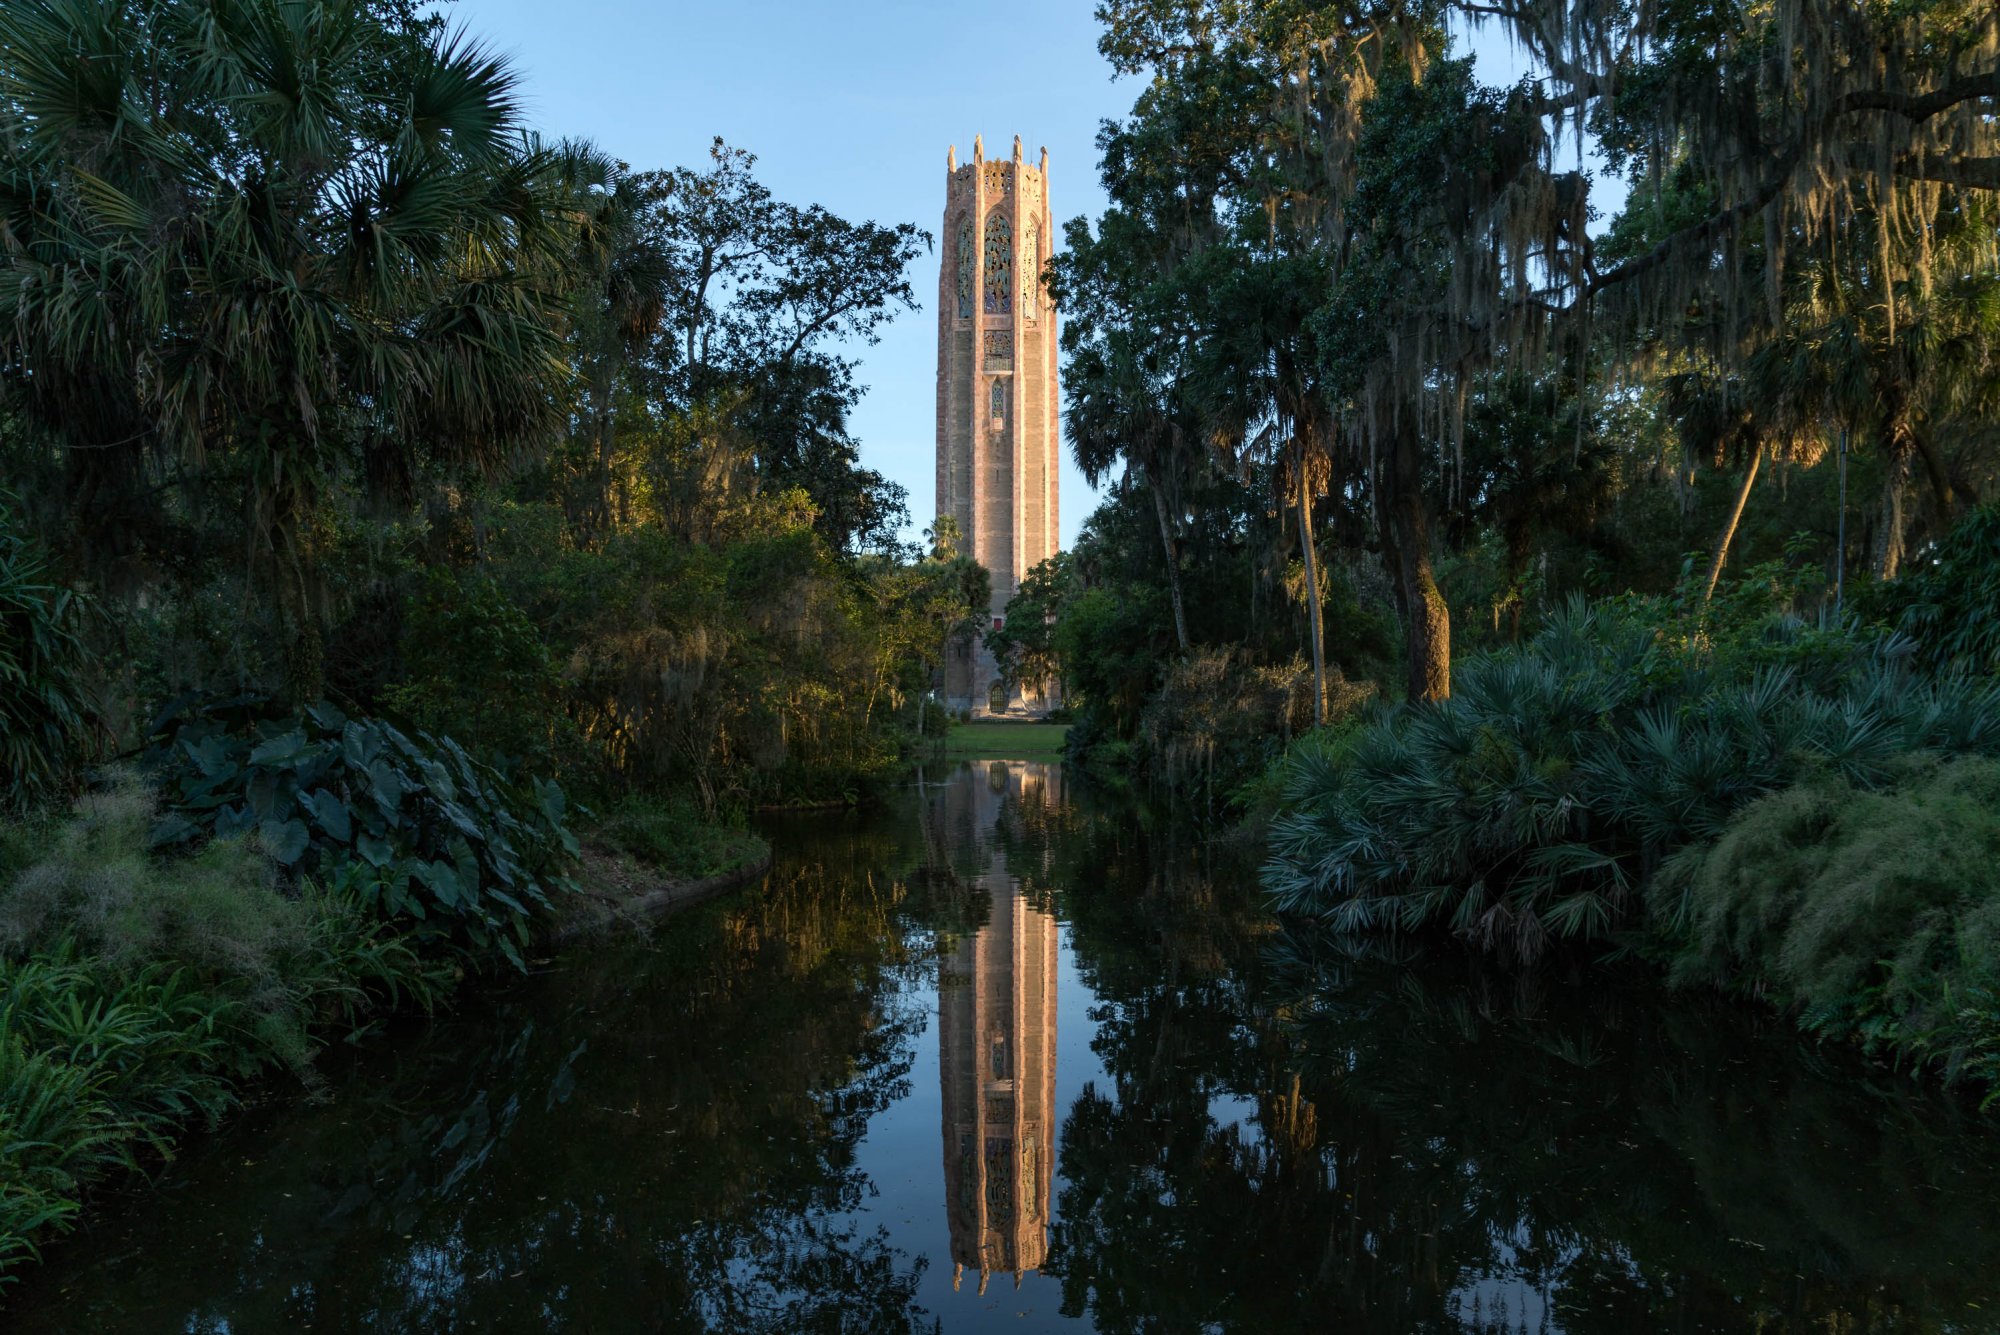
1006	1058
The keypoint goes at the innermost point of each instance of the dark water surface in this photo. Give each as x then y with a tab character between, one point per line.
1001	1060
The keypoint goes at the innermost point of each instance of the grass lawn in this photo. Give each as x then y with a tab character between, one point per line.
1012	741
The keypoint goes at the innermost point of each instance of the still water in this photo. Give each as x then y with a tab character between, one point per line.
1003	1059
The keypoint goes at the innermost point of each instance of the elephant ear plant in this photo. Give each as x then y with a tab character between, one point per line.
415	827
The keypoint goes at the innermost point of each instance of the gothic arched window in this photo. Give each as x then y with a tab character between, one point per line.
967	258
999	264
1031	269
998	404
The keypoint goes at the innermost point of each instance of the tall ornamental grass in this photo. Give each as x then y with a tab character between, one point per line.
1875	915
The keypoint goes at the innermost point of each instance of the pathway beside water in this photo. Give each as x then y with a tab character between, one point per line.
1008	1058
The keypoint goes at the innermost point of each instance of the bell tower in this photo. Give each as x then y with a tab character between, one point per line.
997	428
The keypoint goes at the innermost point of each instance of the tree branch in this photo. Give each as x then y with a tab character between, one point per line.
1915	107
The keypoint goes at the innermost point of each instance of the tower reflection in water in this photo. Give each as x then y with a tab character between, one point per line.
997	1050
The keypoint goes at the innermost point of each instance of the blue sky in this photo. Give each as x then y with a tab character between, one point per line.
848	105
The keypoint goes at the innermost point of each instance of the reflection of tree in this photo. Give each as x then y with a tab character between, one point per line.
1296	1138
689	1167
1288	1136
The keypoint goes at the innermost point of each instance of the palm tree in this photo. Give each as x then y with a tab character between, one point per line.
253	250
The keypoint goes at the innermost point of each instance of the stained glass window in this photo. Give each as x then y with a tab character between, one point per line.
999	403
1031	269
999	264
967	257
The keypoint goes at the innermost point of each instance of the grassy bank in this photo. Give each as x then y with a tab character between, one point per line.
672	840
140	996
1005	740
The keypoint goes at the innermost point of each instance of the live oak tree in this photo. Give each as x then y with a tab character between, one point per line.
1452	220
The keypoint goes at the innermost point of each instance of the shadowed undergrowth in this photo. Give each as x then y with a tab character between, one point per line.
140	994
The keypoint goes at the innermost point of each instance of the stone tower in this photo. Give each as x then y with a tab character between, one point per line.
997	429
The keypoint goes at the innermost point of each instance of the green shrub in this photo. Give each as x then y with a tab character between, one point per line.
672	837
1948	601
1536	800
1218	720
138	993
415	828
46	723
475	668
1873	914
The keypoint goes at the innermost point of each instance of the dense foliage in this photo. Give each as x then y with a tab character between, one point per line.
1949	602
453	474
139	994
46	721
1352	312
443	422
1799	811
1538	800
414	829
1390	409
1875	913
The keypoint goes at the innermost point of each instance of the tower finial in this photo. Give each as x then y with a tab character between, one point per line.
979	148
1017	148
1045	159
951	158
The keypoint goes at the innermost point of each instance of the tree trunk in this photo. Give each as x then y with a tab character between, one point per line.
1735	518
1316	627
1934	465
1889	534
1899	438
1406	541
1172	549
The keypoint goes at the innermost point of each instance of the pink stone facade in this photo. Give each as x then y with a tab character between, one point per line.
997	427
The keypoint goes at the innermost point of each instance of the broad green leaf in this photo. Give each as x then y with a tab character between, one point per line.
331	814
388	785
281	750
376	850
285	840
467	866
357	745
438	779
442	880
327	715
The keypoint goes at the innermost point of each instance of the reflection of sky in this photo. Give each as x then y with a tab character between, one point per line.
1610	1166
902	1151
